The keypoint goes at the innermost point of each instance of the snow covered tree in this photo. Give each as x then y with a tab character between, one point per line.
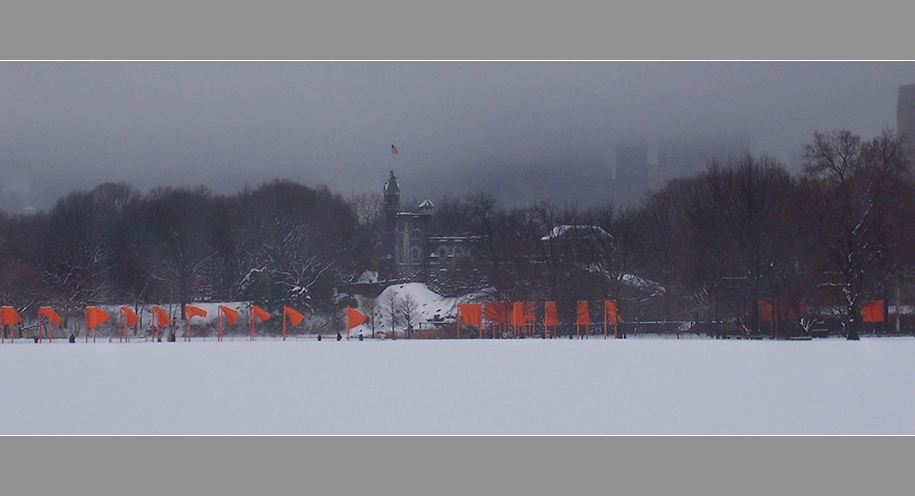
88	254
851	186
295	244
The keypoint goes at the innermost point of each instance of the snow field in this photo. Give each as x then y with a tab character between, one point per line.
644	386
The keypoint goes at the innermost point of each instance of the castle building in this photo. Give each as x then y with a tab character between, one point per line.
411	251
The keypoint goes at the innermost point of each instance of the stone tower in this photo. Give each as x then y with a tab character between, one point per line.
391	209
905	118
391	198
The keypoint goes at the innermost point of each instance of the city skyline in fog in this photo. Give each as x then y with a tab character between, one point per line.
525	131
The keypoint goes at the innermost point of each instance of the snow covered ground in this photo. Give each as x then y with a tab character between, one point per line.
532	386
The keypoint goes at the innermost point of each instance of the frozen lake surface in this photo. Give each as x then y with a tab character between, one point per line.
532	386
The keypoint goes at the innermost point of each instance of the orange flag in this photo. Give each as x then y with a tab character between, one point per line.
10	316
766	310
162	318
471	313
583	317
191	311
231	315
497	312
517	316
612	316
354	317
294	317
260	313
550	315
129	316
95	316
50	314
791	311
872	312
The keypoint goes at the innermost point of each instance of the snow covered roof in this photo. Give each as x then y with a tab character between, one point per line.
584	230
391	187
427	203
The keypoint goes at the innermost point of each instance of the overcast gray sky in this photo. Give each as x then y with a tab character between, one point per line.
524	130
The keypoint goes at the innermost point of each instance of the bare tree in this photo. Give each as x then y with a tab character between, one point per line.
737	222
390	311
368	207
179	220
851	184
372	311
662	254
408	308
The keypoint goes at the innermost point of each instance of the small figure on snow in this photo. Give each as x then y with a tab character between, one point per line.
339	337
360	336
72	338
319	337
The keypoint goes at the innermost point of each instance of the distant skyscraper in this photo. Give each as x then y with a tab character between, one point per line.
633	174
644	164
681	157
905	117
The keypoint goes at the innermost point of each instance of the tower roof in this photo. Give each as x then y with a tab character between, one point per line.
391	187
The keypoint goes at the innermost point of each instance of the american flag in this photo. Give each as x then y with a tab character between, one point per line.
394	149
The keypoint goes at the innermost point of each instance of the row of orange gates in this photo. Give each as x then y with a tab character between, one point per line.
520	317
96	316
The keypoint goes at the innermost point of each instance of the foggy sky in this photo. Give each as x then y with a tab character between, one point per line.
523	130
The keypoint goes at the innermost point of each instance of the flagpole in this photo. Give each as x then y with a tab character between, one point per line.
544	321
605	320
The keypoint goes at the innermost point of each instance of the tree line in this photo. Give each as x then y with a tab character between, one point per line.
282	243
732	245
710	248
